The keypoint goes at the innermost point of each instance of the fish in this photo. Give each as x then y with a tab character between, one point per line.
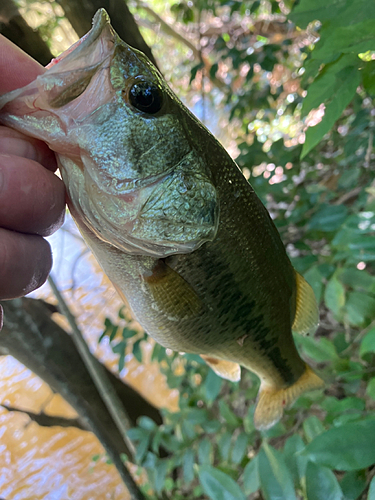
170	217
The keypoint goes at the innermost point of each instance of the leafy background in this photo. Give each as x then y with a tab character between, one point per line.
292	84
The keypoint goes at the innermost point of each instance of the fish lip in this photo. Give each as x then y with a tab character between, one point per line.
100	21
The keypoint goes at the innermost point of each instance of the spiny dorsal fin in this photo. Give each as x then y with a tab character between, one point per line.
306	318
225	369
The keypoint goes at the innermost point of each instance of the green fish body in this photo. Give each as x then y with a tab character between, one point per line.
169	216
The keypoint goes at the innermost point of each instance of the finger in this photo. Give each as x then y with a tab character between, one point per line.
32	199
15	143
16	67
25	262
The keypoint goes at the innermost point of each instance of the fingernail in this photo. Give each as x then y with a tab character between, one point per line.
1	317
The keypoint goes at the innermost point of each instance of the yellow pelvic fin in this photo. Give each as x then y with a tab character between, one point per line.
306	318
225	369
272	401
171	293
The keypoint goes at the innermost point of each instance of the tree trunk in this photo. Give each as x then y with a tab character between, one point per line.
80	15
16	29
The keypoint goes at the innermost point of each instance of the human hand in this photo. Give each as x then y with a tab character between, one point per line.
32	198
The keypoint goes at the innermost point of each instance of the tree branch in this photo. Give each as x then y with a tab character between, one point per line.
107	393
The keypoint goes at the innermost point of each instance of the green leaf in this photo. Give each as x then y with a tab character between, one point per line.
368	342
239	448
227	414
348	447
328	218
334	296
295	462
127	333
251	480
368	77
321	483
370	389
319	349
312	427
137	352
353	484
324	86
212	385
350	79
315	278
355	38
371	490
341	12
355	278
218	485
188	465
204	451
161	470
275	478
224	445
359	307
119	348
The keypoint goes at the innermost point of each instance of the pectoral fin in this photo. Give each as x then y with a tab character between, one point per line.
171	293
225	369
306	317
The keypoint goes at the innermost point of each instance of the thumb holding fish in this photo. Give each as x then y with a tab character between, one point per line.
32	198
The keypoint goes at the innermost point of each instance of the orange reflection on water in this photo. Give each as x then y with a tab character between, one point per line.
51	463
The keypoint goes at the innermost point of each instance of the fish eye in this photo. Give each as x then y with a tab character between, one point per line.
146	97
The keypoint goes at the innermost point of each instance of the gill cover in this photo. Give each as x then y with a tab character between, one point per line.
132	173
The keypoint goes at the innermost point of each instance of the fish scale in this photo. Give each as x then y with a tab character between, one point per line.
170	217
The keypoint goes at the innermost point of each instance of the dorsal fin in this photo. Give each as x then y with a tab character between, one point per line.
306	318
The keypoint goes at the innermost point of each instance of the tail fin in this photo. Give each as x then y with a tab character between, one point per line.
273	401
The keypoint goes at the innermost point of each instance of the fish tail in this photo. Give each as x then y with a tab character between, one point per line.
272	401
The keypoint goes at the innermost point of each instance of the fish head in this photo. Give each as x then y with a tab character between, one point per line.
134	175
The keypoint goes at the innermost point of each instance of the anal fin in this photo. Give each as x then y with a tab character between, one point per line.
306	317
225	369
272	401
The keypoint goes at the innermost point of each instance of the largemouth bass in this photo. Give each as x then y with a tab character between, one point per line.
169	216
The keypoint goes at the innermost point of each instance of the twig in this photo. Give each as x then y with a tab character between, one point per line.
47	420
169	30
106	392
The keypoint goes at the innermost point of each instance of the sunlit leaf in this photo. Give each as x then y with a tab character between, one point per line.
350	79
